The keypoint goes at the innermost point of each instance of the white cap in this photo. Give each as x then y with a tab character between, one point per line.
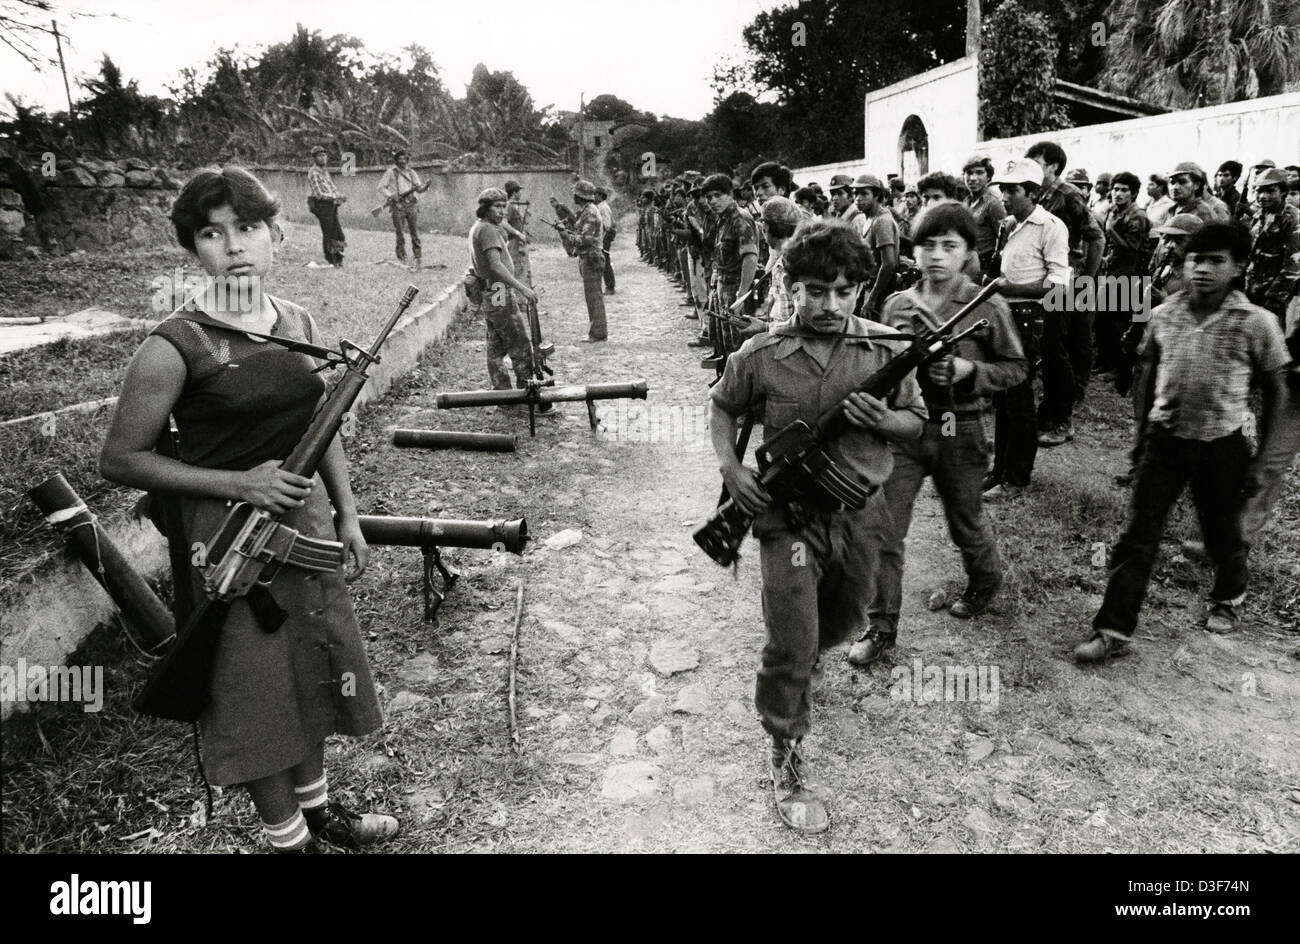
1020	171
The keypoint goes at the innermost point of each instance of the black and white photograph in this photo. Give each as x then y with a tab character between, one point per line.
739	427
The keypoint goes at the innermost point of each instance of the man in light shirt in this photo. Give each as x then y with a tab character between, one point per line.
607	221
1033	257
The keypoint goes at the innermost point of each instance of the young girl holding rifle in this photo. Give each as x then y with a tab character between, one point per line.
240	405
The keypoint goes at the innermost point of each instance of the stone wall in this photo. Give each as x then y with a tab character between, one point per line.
87	204
446	207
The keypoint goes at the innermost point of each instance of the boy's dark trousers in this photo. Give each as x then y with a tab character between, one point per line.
1015	436
1216	471
817	582
1059	388
591	267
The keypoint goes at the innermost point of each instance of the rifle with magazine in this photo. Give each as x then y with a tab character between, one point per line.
251	545
794	464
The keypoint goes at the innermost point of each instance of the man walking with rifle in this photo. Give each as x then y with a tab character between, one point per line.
400	187
815	552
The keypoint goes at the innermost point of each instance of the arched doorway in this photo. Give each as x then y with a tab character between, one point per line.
913	151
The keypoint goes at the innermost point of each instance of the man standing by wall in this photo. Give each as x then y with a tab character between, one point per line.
323	201
1187	187
586	239
399	188
516	230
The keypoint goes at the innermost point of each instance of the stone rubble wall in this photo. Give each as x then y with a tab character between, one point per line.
87	204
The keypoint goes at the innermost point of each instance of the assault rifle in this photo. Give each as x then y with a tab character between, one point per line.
794	464
563	232
398	199
250	547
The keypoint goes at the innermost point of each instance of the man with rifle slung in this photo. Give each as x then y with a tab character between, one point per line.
817	551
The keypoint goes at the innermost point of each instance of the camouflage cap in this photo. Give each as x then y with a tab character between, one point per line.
840	182
584	190
1181	224
1077	176
318	150
492	195
868	180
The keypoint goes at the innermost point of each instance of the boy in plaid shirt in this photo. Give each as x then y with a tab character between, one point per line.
1202	351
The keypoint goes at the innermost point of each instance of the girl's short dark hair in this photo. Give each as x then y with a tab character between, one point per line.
214	187
822	249
1128	179
945	218
1214	237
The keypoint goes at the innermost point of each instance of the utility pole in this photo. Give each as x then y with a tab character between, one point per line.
58	44
582	136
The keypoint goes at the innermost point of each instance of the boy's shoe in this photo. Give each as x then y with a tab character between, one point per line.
973	602
700	342
1104	644
869	647
799	801
339	825
1223	618
991	481
1125	479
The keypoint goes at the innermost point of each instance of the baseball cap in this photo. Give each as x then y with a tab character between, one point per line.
868	180
1019	171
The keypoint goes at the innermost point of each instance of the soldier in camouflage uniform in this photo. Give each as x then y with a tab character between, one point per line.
1275	238
585	238
493	274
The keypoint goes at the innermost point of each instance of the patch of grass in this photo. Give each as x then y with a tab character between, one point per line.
64	372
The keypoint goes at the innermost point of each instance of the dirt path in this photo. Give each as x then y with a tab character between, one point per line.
638	654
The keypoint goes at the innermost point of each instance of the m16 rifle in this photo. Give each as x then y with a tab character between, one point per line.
794	464
250	547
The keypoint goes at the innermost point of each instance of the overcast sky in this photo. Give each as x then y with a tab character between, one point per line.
656	54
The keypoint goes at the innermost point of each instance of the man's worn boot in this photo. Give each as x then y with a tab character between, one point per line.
800	802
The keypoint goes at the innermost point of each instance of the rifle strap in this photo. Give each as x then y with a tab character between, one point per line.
332	358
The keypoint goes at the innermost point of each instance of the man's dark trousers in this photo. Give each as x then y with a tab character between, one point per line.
1015	436
1059	388
1216	471
410	216
609	265
331	233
